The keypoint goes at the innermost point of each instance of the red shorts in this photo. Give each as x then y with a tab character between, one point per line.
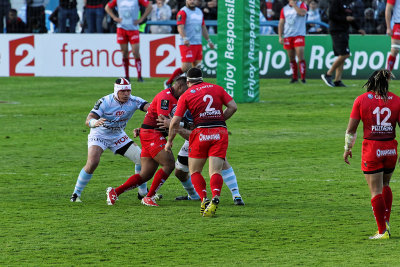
191	53
396	32
292	42
124	36
208	142
152	142
378	155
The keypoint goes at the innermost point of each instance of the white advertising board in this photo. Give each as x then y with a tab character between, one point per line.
84	55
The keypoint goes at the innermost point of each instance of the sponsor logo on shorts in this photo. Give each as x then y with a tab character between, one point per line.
386	152
209	137
96	139
121	140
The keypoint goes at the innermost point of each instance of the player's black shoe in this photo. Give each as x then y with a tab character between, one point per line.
238	201
303	81
75	198
183	198
328	80
339	84
294	80
140	79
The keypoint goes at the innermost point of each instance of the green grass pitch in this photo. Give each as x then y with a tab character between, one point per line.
304	206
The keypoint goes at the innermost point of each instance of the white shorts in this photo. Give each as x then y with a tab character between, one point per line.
184	152
112	142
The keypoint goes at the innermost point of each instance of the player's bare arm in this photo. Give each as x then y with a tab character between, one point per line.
147	12
231	108
93	120
182	33
165	122
146	107
350	139
388	18
300	11
173	130
280	30
206	36
112	15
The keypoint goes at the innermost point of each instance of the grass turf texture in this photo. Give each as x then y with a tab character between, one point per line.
304	206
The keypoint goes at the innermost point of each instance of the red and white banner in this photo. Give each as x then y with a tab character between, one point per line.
84	55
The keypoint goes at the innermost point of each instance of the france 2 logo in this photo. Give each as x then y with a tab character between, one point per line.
162	57
22	57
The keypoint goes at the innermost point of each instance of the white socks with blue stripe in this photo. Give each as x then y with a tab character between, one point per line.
230	180
83	180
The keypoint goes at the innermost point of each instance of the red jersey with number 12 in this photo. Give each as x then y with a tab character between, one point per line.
379	117
205	102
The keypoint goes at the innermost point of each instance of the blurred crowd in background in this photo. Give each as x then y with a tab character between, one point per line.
67	17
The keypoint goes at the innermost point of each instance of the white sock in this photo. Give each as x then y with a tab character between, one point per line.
82	181
230	180
188	186
142	189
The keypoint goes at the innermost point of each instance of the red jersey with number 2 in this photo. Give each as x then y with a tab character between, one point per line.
205	102
379	117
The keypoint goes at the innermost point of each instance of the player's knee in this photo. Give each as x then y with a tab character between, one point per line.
133	153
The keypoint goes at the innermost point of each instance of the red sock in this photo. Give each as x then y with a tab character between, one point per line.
293	66
388	198
176	73
199	184
159	179
216	183
378	206
302	66
390	62
138	64
133	182
126	66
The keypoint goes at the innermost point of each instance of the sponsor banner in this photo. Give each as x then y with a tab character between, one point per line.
89	55
238	45
368	53
98	55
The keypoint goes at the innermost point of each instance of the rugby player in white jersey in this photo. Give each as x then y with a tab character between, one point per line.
107	121
291	30
191	28
128	29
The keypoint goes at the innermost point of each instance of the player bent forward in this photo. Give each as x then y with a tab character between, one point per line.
182	168
210	137
107	121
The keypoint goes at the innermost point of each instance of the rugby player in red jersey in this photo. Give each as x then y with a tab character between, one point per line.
153	141
379	110
209	139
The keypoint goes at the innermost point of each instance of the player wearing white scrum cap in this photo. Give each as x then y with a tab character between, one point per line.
107	121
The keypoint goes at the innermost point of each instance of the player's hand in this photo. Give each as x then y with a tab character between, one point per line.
163	121
361	31
118	20
389	32
100	122
281	40
136	132
346	155
349	18
168	146
211	45
187	43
